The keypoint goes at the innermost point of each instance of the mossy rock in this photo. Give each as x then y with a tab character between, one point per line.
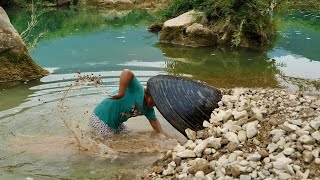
15	62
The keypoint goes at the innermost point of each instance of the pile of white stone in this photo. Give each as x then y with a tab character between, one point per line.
254	134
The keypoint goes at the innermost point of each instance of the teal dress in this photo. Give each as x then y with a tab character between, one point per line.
113	112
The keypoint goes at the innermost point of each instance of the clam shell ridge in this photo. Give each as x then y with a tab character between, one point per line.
183	103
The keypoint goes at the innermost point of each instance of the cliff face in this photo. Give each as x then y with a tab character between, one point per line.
15	61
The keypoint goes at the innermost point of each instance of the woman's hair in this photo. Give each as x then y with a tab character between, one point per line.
147	92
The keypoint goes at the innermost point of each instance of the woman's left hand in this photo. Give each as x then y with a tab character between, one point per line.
116	96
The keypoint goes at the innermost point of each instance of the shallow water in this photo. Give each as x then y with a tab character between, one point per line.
44	137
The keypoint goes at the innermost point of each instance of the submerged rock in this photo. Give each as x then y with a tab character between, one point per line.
15	61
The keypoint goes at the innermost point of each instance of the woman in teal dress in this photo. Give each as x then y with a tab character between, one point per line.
130	100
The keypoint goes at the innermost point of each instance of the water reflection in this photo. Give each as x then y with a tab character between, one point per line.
222	67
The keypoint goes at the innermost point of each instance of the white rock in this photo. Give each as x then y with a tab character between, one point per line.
206	124
289	127
199	175
179	148
214	142
239	115
272	147
254	157
316	135
251	129
317	160
315	153
200	148
232	157
244	105
306	174
226	98
215	118
277	136
172	163
29	178
290	170
230	105
288	151
242	136
254	174
245	177
253	164
306	139
190	144
239	91
281	163
317	103
168	171
296	167
297	122
307	127
281	142
315	124
257	113
186	154
227	115
238	152
232	137
183	176
301	132
191	134
244	163
284	176
207	151
183	20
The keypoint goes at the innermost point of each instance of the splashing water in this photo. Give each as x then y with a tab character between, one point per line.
86	139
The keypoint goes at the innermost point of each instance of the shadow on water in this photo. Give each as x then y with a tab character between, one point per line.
222	67
14	93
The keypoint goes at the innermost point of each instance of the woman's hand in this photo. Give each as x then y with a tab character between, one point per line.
116	96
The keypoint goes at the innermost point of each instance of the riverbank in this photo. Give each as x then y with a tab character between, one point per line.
254	134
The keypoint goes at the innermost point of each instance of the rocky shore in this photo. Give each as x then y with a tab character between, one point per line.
254	134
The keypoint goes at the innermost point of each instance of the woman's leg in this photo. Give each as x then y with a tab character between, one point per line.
100	127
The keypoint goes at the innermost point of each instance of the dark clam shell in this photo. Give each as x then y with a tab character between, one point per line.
183	103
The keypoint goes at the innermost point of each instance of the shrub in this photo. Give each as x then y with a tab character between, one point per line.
240	20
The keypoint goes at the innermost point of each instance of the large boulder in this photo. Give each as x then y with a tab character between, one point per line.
186	30
15	61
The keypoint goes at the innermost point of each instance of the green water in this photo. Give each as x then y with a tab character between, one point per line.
34	141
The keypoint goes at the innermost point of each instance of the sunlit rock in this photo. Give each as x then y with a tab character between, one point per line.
15	62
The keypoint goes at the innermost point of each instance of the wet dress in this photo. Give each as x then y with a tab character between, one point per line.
109	115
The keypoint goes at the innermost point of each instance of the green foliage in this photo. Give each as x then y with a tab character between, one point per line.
27	3
241	20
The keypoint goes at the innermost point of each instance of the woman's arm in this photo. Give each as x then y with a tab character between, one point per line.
156	126
125	78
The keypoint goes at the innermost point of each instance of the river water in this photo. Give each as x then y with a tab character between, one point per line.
43	123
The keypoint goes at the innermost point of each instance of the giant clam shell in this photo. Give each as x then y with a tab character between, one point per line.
183	103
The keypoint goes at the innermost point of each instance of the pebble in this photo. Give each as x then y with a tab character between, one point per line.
229	148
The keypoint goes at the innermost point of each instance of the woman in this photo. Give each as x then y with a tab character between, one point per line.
130	100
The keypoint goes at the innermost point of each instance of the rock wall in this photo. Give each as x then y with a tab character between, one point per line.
15	61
